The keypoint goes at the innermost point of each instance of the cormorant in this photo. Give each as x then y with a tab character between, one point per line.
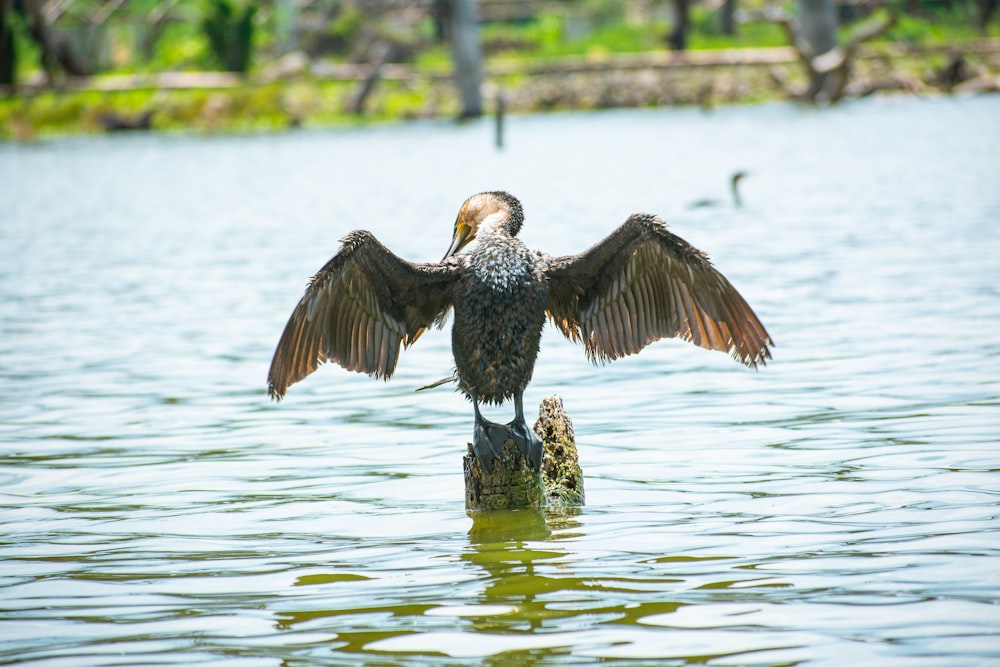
638	285
734	191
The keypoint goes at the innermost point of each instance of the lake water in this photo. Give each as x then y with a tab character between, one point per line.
839	506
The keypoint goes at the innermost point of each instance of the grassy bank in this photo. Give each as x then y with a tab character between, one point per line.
538	66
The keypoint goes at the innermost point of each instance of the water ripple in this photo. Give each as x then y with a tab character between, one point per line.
838	506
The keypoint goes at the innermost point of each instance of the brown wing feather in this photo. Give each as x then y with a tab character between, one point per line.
643	283
357	310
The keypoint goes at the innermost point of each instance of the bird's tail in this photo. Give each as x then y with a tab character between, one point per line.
450	378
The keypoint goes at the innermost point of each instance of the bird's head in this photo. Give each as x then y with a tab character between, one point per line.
494	211
734	186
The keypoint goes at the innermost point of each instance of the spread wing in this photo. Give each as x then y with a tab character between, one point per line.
643	283
357	310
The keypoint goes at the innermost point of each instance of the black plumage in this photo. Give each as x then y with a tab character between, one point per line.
638	285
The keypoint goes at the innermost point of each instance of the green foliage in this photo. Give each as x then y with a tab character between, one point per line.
26	55
940	25
181	47
621	37
507	38
347	24
548	32
706	33
434	59
230	34
553	35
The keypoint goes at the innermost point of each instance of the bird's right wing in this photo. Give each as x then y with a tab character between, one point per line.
357	310
643	283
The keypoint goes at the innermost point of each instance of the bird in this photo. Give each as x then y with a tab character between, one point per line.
639	284
734	191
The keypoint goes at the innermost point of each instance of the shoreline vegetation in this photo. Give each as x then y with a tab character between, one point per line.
297	89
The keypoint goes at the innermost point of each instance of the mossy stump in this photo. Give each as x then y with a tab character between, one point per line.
512	484
561	472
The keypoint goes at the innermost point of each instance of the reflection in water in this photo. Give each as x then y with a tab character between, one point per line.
838	507
502	544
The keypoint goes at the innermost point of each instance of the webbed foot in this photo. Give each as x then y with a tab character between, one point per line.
487	441
527	441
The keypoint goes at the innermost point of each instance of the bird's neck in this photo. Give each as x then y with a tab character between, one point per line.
493	229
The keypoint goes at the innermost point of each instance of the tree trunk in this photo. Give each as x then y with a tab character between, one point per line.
815	39
817	26
286	21
380	55
39	29
468	56
813	35
8	54
986	9
682	21
727	17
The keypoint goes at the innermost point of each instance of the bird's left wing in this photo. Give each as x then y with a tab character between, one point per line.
643	283
357	310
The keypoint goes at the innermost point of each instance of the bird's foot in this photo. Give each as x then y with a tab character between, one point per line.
527	441
487	441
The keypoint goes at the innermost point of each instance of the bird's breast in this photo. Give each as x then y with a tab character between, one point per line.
503	266
499	314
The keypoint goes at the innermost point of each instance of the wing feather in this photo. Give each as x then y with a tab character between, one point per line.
357	311
634	317
643	283
675	311
648	311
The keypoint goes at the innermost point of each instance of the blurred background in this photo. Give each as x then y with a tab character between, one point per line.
90	65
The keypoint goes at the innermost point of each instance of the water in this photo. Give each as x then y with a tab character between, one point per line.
837	507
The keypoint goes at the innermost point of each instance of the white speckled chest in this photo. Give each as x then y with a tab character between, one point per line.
501	263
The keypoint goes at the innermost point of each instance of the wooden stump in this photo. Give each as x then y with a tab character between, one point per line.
512	484
561	472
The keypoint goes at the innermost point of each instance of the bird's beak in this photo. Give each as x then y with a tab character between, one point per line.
463	235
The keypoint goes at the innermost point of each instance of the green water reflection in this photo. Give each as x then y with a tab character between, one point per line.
532	593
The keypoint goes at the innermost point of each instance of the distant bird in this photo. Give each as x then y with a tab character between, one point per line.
638	285
116	122
734	191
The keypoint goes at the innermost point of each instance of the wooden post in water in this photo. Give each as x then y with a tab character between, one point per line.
512	484
499	119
